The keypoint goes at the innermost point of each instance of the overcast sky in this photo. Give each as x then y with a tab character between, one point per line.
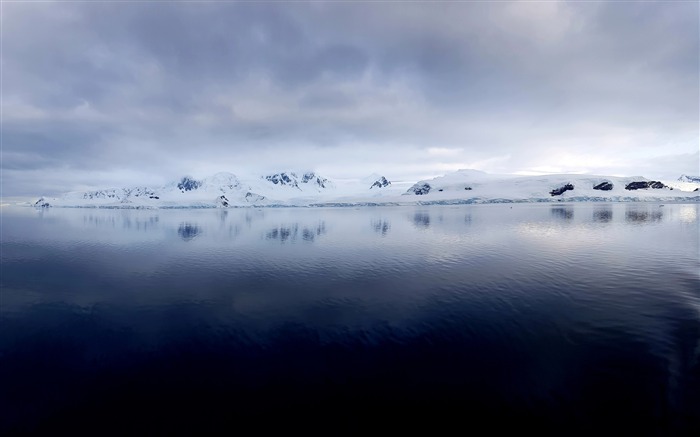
121	94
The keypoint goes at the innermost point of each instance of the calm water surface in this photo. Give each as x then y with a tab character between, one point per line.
577	318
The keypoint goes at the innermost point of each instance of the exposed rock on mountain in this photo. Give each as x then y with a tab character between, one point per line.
382	182
559	191
252	197
188	184
293	180
420	189
42	203
604	186
643	185
314	179
282	179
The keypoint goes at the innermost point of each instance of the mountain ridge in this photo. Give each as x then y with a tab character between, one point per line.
308	188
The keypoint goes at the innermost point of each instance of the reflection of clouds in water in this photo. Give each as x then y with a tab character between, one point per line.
564	213
688	213
293	232
188	231
381	226
603	214
421	219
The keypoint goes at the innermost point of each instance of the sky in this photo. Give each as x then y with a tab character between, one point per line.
110	94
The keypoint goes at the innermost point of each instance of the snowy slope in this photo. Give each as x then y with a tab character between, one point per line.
291	188
685	183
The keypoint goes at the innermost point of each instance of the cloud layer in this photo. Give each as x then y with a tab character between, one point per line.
100	94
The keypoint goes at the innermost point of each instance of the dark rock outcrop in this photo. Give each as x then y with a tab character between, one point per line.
559	191
605	186
313	178
188	184
420	189
281	179
380	183
105	194
468	188
292	180
643	185
42	203
223	200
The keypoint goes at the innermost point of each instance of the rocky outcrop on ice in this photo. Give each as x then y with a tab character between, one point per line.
643	185
188	184
419	189
604	186
382	182
42	203
313	179
291	179
559	191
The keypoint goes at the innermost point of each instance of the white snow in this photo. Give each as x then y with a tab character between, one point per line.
307	188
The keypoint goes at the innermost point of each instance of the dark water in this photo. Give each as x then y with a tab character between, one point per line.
559	318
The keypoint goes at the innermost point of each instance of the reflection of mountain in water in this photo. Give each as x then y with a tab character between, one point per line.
633	215
421	219
602	215
381	226
125	220
293	232
564	213
188	231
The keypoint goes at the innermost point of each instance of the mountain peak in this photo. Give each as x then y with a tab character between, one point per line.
297	179
686	178
187	183
381	182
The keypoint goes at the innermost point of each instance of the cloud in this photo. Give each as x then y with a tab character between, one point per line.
95	92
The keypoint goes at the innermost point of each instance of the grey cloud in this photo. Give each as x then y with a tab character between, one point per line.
158	88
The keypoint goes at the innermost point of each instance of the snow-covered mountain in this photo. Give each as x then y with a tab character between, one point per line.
691	179
290	188
685	183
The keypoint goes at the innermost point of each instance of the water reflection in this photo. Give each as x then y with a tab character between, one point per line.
125	219
603	214
563	212
293	232
253	215
421	219
381	226
547	316
188	231
635	214
223	216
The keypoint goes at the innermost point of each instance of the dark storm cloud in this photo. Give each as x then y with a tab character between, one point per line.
150	90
